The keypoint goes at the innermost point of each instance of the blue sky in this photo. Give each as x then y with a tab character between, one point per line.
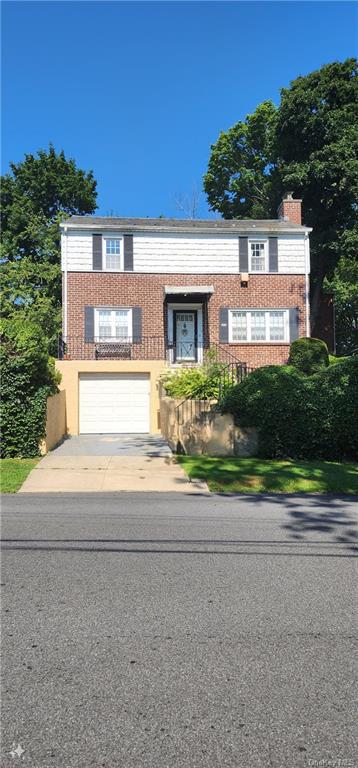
139	91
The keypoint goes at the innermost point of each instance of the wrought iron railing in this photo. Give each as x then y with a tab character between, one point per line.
206	397
144	348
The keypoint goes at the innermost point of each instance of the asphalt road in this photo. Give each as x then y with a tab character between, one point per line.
176	632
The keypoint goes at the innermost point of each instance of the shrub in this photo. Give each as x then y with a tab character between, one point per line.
333	359
337	393
309	355
28	377
200	382
267	399
299	416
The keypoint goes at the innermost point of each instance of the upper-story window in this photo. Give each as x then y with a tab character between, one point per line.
258	256
112	253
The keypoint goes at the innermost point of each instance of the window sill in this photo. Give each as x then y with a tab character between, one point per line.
264	272
260	343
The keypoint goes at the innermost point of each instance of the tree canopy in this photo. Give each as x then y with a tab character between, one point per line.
308	144
37	193
239	182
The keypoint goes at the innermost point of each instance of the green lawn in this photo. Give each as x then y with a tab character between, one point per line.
13	472
254	475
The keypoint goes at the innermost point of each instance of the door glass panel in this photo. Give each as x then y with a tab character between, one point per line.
185	336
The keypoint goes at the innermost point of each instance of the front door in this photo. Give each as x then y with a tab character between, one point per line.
185	336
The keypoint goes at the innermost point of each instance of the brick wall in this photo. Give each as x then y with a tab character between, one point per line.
290	209
147	291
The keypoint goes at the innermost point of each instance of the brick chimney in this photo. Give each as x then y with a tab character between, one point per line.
290	209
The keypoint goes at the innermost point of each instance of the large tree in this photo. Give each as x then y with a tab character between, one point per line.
35	196
308	144
242	171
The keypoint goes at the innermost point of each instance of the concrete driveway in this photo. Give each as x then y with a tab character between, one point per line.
93	463
113	445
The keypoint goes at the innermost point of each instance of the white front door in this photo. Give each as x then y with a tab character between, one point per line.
185	341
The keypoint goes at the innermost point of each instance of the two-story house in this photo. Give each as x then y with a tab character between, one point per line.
140	295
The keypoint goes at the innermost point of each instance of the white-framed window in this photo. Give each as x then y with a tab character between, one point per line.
113	324
259	325
258	257
113	254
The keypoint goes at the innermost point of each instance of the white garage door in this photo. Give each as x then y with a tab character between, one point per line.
112	403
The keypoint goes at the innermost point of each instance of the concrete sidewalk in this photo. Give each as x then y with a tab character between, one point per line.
65	474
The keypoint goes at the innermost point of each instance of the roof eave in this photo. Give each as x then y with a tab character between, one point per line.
168	229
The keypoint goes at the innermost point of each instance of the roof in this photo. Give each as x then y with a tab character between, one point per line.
203	226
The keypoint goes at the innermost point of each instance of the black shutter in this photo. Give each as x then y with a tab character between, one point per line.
243	254
273	254
128	253
89	323
294	324
96	251
224	325
137	323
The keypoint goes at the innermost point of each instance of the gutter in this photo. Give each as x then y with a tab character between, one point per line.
231	229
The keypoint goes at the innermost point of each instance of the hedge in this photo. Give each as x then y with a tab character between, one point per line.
28	377
299	416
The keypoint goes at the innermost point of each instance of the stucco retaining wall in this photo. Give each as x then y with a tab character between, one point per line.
55	421
209	432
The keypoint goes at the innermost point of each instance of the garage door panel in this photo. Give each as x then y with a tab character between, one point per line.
127	403
114	403
127	390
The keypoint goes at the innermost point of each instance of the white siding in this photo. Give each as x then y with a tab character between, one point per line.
199	254
79	251
183	253
63	242
291	254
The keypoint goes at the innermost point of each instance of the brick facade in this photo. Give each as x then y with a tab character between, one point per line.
147	290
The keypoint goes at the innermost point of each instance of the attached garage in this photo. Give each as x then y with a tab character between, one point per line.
114	403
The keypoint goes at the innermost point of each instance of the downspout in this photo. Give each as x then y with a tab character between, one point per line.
307	284
334	327
64	297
